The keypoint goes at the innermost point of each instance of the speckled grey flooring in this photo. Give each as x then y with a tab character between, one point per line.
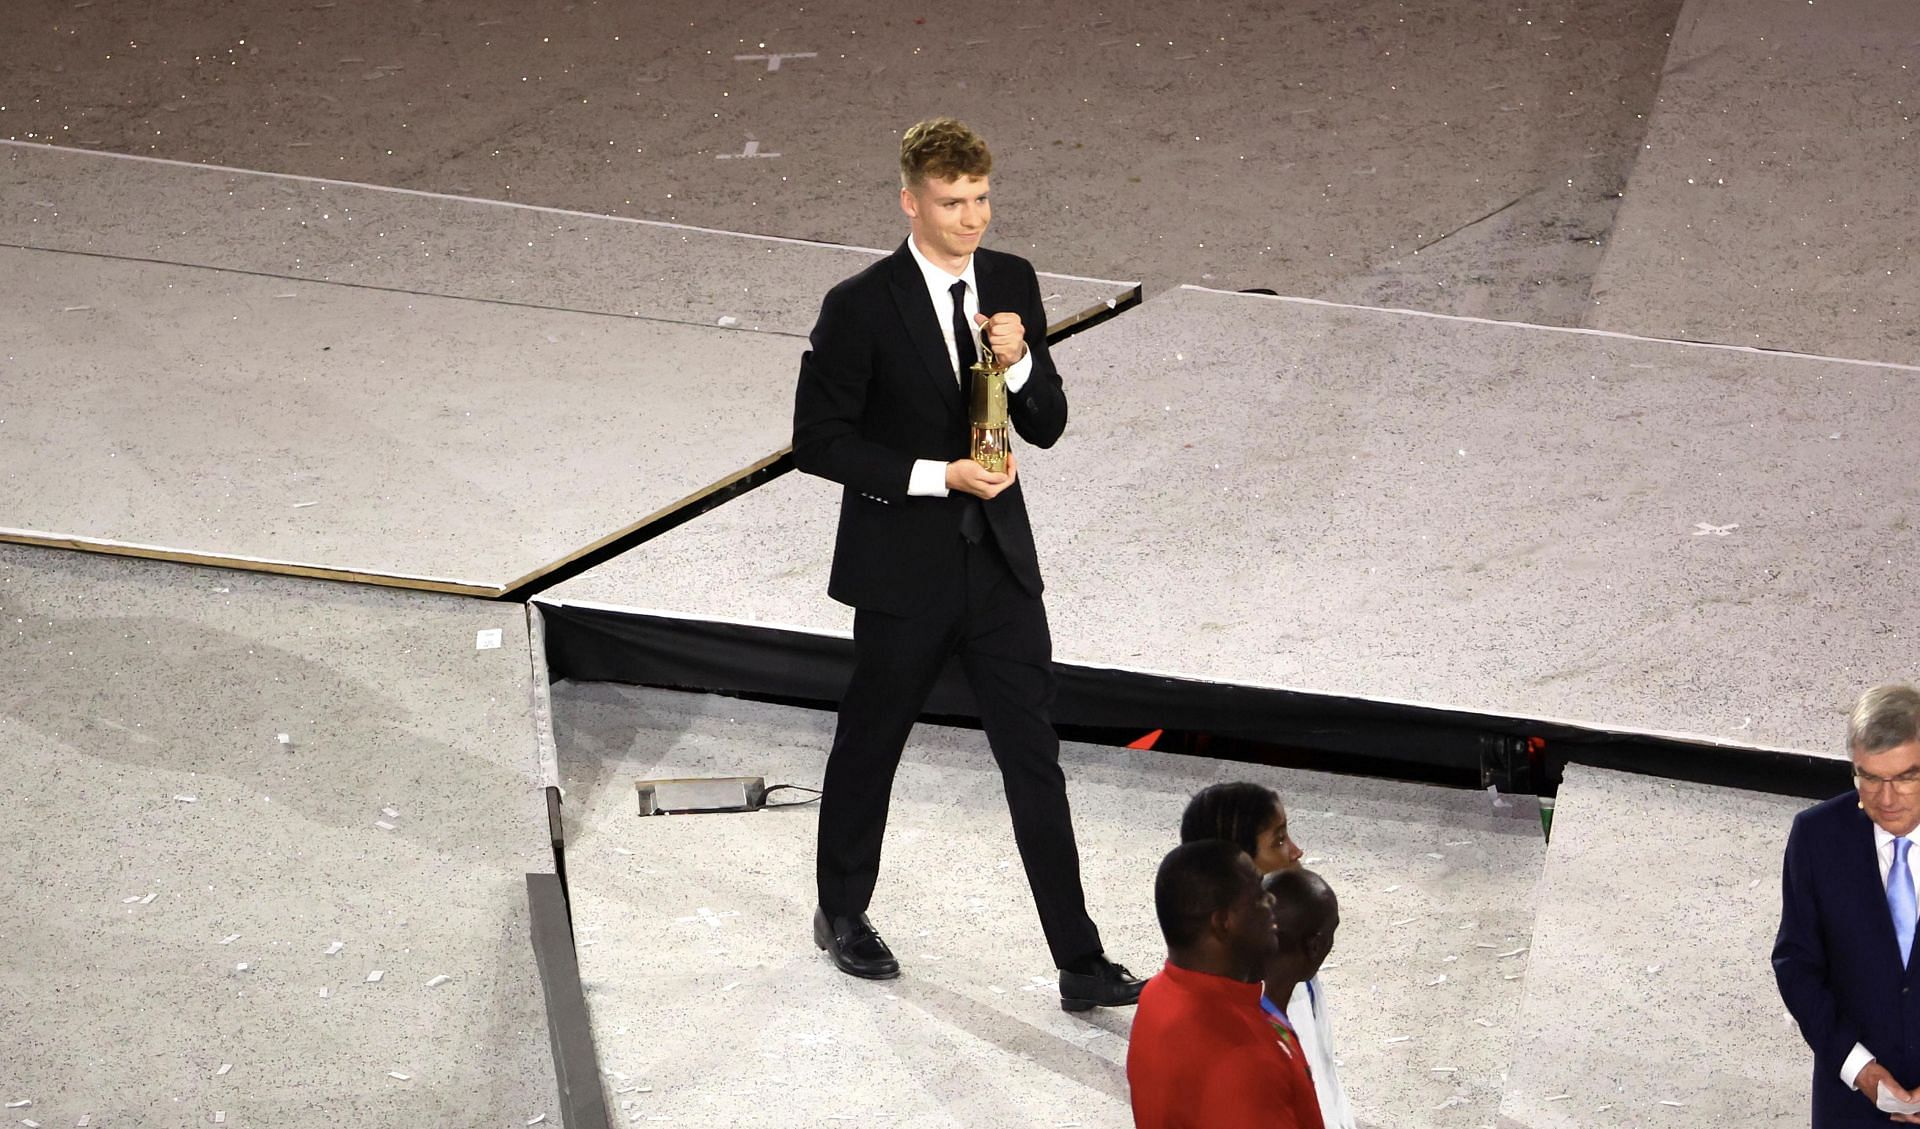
1527	522
711	1005
1650	999
301	229
177	879
1773	201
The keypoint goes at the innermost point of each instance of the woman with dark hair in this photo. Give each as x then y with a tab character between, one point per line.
1252	816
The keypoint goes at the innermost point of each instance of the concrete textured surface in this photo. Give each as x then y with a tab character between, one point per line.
1774	202
1525	522
301	229
1652	1002
178	878
711	1005
321	423
1307	148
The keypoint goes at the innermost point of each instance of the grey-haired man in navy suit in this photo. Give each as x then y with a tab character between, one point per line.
1844	956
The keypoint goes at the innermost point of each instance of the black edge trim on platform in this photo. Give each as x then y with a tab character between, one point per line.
640	536
576	1065
520	594
594	644
1097	316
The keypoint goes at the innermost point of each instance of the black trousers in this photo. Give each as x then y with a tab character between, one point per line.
1000	635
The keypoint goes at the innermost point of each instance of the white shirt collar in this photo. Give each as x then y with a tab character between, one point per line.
940	280
1882	837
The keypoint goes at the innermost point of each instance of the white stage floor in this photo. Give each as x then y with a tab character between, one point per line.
178	880
1627	535
330	393
1773	203
1651	1001
425	243
712	1007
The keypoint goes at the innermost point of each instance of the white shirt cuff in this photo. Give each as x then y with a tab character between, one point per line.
1018	374
1856	1062
928	479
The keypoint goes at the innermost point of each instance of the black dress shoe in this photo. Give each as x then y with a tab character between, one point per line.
856	949
1107	985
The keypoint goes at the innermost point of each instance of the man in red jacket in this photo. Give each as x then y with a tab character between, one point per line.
1202	1055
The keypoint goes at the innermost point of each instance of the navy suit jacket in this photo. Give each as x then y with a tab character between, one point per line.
1837	962
876	392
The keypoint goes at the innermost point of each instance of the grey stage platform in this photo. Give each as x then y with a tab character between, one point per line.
1776	188
711	1005
241	370
1311	149
177	877
425	243
1624	534
1650	998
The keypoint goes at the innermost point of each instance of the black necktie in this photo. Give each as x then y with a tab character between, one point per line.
973	519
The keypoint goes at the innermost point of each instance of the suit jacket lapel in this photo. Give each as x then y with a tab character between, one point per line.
923	328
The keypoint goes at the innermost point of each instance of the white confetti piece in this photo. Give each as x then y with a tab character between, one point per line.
622	851
1391	890
487	640
1669	1101
1437	981
1483	1023
129	901
1559	1097
1653	970
225	1067
1603	1108
23	1103
1512	976
86	1119
285	739
230	938
1398	1039
1314	861
1461	843
727	321
1755	884
243	966
383	825
326	993
186	799
1510	953
148	900
400	1076
731	986
536	1119
438	980
1435	855
374	976
1443	1070
304	505
30	1123
219	1117
336	947
74	309
390	812
1405	921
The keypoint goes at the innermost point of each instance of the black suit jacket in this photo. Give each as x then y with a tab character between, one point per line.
1837	962
877	392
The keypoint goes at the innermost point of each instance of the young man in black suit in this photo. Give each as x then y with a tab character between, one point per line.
934	552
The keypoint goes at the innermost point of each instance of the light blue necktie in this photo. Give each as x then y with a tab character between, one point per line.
1900	897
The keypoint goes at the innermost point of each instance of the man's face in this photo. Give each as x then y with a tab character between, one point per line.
1889	783
948	216
1251	929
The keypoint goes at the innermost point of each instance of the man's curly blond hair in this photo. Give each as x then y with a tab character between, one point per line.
941	149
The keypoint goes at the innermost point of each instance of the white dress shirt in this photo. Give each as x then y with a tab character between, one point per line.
1883	851
929	476
1309	1002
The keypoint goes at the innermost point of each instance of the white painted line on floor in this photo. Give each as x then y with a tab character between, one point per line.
1581	330
541	208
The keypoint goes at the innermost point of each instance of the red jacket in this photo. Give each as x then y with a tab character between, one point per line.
1204	1056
